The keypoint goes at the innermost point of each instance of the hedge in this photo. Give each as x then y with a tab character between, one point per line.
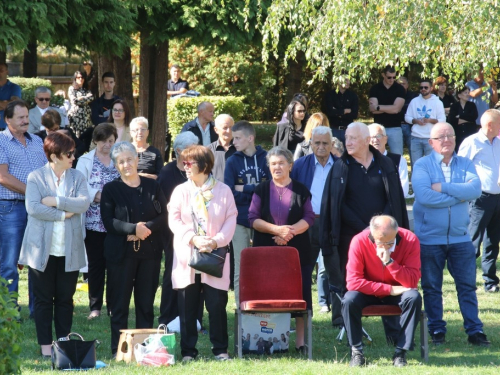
182	110
10	332
28	86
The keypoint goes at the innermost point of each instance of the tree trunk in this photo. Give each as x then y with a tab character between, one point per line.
30	60
294	77
123	75
160	96
104	64
145	86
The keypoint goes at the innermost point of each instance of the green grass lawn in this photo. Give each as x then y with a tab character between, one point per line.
455	357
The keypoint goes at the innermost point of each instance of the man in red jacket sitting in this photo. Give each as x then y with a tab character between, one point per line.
383	269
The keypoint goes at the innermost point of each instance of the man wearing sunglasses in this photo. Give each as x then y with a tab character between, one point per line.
423	112
43	96
386	100
383	269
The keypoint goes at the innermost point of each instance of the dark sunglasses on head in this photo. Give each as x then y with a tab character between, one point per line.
69	154
44	99
424	87
189	164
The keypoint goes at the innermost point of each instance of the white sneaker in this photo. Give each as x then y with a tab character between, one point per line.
324	309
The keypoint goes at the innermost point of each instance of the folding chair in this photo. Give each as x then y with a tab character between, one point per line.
281	293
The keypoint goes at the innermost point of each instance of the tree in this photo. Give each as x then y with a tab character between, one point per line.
354	37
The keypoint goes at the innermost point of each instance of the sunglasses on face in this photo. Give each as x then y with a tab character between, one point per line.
424	87
388	77
69	154
79	77
189	164
44	99
118	110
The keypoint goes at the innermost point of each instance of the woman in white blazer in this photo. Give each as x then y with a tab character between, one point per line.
53	247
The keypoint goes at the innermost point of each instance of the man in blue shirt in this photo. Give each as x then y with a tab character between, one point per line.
312	171
482	93
20	154
8	92
483	148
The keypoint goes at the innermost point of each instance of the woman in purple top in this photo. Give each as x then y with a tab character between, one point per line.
281	213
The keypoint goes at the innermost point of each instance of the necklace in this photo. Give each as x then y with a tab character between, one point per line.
284	189
138	247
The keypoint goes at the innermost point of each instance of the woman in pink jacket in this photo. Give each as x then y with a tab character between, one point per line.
211	204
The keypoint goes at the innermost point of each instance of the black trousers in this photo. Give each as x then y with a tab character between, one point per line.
94	244
484	227
411	306
140	276
168	304
216	301
53	289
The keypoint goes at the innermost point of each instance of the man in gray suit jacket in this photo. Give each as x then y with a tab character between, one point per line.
42	99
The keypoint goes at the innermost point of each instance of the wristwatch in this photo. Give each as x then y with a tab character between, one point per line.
389	262
378	108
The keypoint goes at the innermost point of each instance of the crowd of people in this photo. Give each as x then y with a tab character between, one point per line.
96	194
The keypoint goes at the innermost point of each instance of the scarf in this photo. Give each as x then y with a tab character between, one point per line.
199	201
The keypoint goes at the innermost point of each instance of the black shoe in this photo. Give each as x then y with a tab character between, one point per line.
479	339
399	359
357	359
492	288
438	338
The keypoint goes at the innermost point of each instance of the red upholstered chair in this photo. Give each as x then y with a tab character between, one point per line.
277	294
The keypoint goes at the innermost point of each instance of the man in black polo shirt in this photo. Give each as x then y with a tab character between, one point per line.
362	183
223	147
341	107
386	101
176	85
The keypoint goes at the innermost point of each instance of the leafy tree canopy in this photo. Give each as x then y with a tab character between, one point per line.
354	37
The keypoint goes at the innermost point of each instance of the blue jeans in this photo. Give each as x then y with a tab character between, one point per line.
419	147
395	140
406	129
461	261
322	282
13	219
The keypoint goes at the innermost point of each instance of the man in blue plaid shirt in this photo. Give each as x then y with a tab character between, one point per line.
20	154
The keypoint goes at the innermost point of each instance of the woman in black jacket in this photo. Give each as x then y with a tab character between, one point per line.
462	116
290	132
133	210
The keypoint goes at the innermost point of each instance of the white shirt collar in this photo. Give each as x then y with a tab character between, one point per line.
54	177
330	160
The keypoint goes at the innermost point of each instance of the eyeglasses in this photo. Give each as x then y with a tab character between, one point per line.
118	110
378	136
69	154
424	87
189	164
389	77
301	110
43	99
79	77
139	130
444	137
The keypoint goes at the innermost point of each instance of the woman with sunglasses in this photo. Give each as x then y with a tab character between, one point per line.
79	115
53	248
290	132
119	116
202	214
134	214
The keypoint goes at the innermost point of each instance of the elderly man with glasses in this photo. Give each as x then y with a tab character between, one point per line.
423	112
444	184
42	100
383	269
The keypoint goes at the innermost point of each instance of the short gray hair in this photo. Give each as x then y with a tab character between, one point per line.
139	120
221	117
183	141
361	127
375	125
121	147
42	90
339	146
280	151
322	130
375	224
202	106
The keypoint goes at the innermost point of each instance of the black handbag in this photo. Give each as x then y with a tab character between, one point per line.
73	354
210	263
